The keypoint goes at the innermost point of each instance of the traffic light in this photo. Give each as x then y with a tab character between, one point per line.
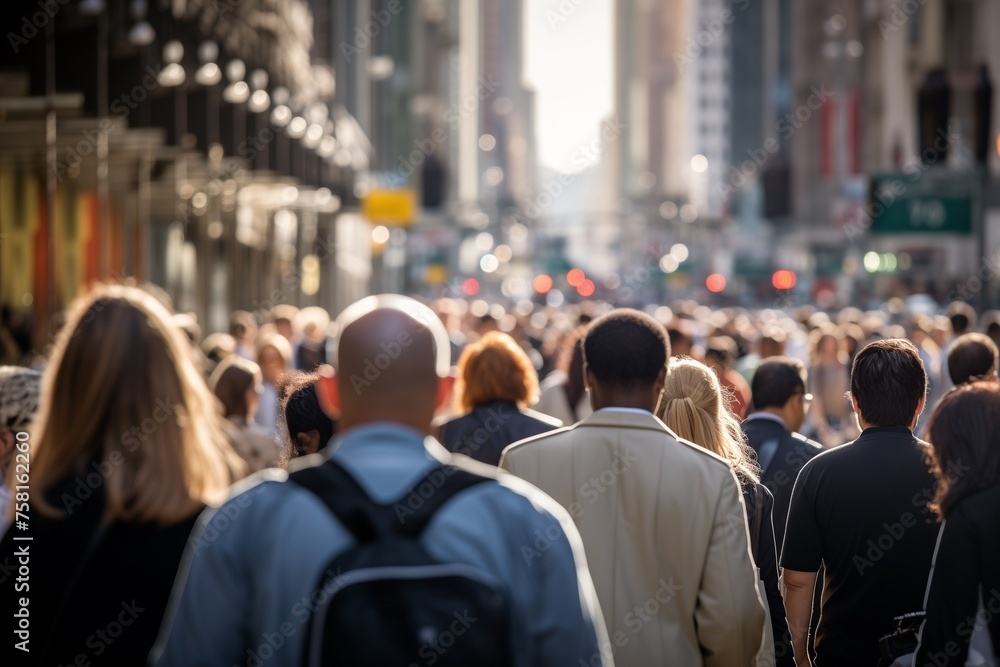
933	108
982	107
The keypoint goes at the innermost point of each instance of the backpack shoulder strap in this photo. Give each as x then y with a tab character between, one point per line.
416	509
367	520
343	496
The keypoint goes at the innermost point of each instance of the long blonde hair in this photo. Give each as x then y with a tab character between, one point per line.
121	390
693	407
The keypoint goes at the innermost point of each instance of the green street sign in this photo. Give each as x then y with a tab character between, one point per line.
928	202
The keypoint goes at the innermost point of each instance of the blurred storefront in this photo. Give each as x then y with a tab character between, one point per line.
198	145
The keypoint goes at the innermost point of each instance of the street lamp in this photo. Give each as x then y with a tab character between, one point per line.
141	33
209	73
260	101
173	74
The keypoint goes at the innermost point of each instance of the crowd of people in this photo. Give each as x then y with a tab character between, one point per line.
454	483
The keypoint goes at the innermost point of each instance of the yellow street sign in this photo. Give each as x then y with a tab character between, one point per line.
390	207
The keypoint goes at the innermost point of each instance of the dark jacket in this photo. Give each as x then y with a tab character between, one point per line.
488	429
779	477
766	560
107	609
966	564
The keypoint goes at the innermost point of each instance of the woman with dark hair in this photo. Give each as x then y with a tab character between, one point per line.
563	394
308	428
496	384
126	450
963	595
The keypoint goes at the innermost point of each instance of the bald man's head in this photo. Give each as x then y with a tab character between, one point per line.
388	363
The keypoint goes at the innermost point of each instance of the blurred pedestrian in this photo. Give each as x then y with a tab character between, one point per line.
780	406
962	318
971	358
243	329
127	450
720	356
216	347
496	384
309	428
965	582
274	356
692	405
830	379
310	350
632	488
860	512
238	384
563	393
257	577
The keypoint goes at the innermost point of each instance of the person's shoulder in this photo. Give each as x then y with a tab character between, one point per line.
685	450
537	443
544	419
809	447
973	508
506	493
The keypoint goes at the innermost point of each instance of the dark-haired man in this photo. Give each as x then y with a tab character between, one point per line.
972	357
781	401
861	511
662	520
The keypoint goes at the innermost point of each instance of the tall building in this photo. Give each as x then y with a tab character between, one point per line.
872	59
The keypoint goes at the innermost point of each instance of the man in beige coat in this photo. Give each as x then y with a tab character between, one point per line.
662	520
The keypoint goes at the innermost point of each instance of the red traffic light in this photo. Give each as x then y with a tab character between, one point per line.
715	282
783	279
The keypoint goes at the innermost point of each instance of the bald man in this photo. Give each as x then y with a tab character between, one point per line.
245	595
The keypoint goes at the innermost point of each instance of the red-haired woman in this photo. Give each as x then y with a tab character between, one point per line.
496	384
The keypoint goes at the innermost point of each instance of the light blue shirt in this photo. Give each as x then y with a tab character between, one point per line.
243	593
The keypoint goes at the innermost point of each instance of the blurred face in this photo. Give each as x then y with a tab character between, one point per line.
796	408
271	364
829	347
284	328
253	400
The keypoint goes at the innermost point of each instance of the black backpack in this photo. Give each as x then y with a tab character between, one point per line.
386	601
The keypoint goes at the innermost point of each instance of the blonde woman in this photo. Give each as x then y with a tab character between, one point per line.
692	405
126	451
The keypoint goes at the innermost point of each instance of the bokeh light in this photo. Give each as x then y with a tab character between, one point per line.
716	282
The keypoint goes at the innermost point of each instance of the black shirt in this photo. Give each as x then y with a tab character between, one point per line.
966	566
861	511
488	429
105	610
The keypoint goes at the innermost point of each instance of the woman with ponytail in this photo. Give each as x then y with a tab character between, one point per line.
693	406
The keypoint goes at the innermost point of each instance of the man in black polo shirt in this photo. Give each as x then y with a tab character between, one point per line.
861	511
